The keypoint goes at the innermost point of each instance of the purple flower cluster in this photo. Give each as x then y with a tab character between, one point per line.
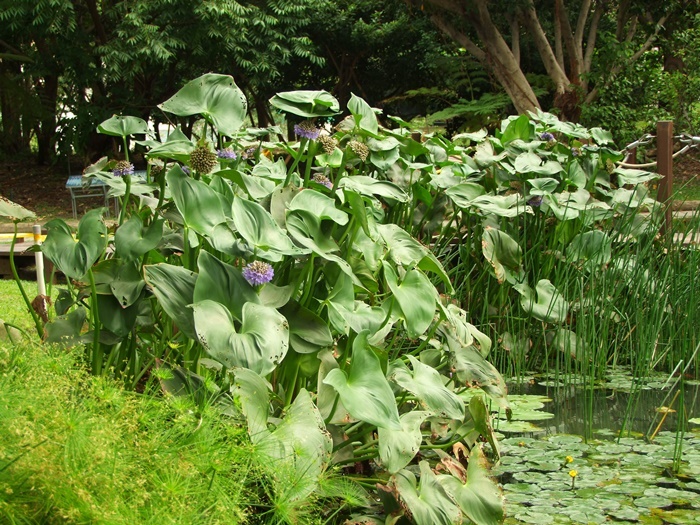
186	170
227	153
323	180
547	136
123	168
307	130
575	152
258	273
535	201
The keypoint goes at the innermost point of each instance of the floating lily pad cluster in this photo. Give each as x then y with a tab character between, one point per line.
561	479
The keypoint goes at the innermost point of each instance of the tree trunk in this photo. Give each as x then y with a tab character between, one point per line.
11	141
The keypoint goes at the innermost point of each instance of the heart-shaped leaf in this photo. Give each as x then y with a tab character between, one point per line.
132	241
428	386
364	391
222	283
479	498
215	97
201	207
73	258
362	113
308	333
398	447
123	126
504	254
416	298
14	211
256	225
545	303
428	502
260	345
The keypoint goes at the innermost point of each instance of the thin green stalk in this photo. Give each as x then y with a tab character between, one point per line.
302	146
97	356
125	199
35	317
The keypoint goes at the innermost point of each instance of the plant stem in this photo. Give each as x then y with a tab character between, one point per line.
97	356
15	276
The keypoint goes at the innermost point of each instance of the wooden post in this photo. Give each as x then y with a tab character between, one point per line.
664	164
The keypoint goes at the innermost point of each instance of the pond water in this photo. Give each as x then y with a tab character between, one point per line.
564	462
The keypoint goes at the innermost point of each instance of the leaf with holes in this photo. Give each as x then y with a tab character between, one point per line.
398	447
261	343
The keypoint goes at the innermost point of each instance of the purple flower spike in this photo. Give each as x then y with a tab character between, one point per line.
186	170
258	273
575	152
535	201
307	130
547	136
227	153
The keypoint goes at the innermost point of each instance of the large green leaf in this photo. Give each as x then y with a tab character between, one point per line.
363	114
254	395
215	97
256	225
222	283
428	386
370	186
14	211
318	204
398	447
501	205
473	370
306	104
364	391
479	497
308	333
66	329
256	187
201	207
428	502
406	251
127	284
529	162
504	254
593	248
519	128
464	193
305	227
299	450
416	298
544	303
173	286
73	258
132	240
123	126
115	318
260	345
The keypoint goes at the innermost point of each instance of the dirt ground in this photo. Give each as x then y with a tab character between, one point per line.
42	189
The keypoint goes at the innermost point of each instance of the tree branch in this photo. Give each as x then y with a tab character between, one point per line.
558	49
581	22
515	37
459	37
555	72
590	42
618	67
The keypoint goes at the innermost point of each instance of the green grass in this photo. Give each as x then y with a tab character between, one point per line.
81	449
